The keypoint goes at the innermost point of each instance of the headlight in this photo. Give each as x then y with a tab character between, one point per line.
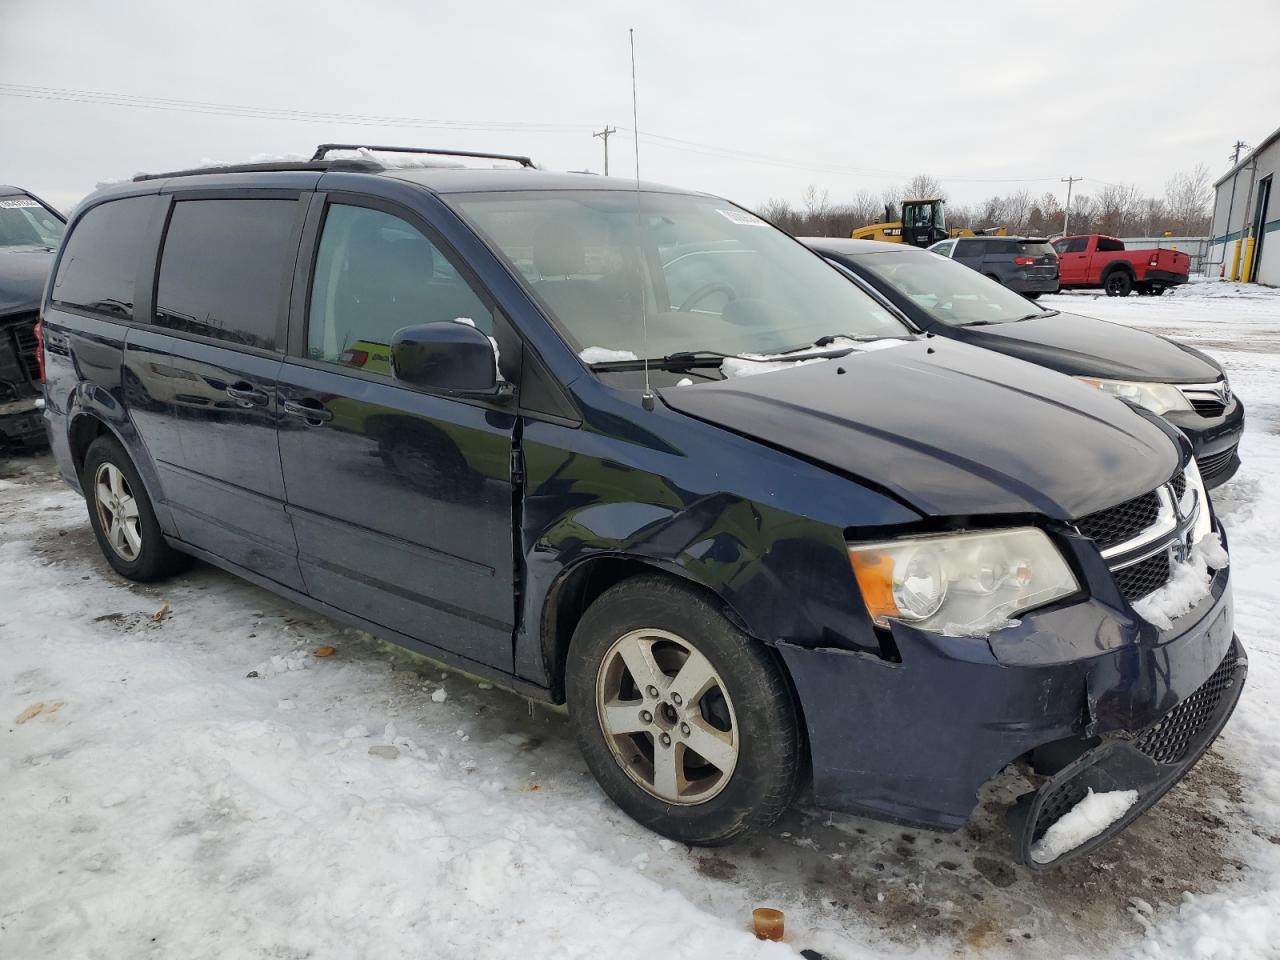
965	584
1156	397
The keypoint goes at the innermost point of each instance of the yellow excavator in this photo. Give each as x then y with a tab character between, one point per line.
923	224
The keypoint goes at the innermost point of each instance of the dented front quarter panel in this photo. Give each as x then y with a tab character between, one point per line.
761	529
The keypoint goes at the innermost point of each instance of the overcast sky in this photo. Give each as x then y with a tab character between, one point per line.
758	99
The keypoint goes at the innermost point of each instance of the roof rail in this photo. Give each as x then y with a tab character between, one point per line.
366	166
326	147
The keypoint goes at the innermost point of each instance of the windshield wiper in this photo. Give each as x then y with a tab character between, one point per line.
691	359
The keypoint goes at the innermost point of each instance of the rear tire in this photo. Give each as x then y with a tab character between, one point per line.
1118	283
122	517
992	276
644	749
1033	295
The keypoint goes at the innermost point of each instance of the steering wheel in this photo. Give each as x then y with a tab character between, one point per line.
704	291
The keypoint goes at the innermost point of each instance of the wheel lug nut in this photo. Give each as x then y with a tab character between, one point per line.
646	716
652	691
675	698
684	729
666	739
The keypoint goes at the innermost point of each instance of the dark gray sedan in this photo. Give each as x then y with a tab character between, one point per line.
1178	382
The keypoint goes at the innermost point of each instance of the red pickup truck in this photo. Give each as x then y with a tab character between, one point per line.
1098	261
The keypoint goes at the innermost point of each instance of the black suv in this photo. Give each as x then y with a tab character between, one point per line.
633	449
1028	265
29	233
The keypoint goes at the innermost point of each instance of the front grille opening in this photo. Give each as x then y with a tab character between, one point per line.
1057	805
1120	523
1168	739
1144	577
24	342
1215	463
1208	407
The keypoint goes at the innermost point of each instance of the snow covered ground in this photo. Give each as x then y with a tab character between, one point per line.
195	783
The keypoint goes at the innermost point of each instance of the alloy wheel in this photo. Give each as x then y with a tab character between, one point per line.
667	716
117	511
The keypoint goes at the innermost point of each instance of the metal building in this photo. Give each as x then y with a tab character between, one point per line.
1245	235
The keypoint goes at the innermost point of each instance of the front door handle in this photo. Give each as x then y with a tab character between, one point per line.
247	395
309	410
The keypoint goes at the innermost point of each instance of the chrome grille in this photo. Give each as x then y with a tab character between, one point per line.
1122	522
1144	577
1207	399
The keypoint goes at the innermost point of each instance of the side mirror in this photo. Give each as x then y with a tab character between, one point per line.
449	358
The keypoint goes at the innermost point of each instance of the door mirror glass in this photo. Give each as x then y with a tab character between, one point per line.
446	357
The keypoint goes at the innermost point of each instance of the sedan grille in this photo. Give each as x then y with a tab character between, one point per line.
1215	463
1207	407
1120	523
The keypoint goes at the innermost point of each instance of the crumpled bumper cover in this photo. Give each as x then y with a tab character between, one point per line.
1150	762
913	742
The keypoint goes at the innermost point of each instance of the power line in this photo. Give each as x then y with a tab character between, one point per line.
245	111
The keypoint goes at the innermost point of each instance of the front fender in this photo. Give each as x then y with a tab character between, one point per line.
771	547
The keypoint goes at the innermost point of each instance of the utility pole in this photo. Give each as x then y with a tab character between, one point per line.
1066	214
604	135
1237	147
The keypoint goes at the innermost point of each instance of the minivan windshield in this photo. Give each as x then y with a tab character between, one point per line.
948	291
26	222
708	275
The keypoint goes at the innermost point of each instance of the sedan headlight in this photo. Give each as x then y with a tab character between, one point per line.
965	584
1156	397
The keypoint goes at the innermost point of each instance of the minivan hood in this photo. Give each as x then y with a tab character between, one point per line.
950	429
1083	346
23	271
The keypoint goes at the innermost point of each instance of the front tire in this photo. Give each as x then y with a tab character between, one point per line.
687	723
122	517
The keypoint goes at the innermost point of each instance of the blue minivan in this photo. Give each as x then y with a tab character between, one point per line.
632	449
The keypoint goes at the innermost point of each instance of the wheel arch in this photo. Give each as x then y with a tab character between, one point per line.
580	585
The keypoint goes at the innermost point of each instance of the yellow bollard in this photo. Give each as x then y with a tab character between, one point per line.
1246	268
1235	261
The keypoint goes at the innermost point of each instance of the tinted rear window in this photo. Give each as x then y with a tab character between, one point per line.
223	269
1039	248
1109	245
100	261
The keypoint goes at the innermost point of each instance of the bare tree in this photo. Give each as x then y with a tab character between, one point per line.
1187	196
923	187
1016	210
817	203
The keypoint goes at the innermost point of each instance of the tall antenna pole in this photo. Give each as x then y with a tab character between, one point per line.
1066	213
604	135
647	398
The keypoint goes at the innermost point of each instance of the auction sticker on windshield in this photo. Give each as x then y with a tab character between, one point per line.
742	217
20	202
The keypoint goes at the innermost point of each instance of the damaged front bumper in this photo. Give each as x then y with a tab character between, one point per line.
913	741
1149	762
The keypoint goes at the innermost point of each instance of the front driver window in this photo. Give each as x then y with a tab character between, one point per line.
374	275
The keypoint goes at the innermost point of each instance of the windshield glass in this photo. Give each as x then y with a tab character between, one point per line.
948	291
27	222
708	275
